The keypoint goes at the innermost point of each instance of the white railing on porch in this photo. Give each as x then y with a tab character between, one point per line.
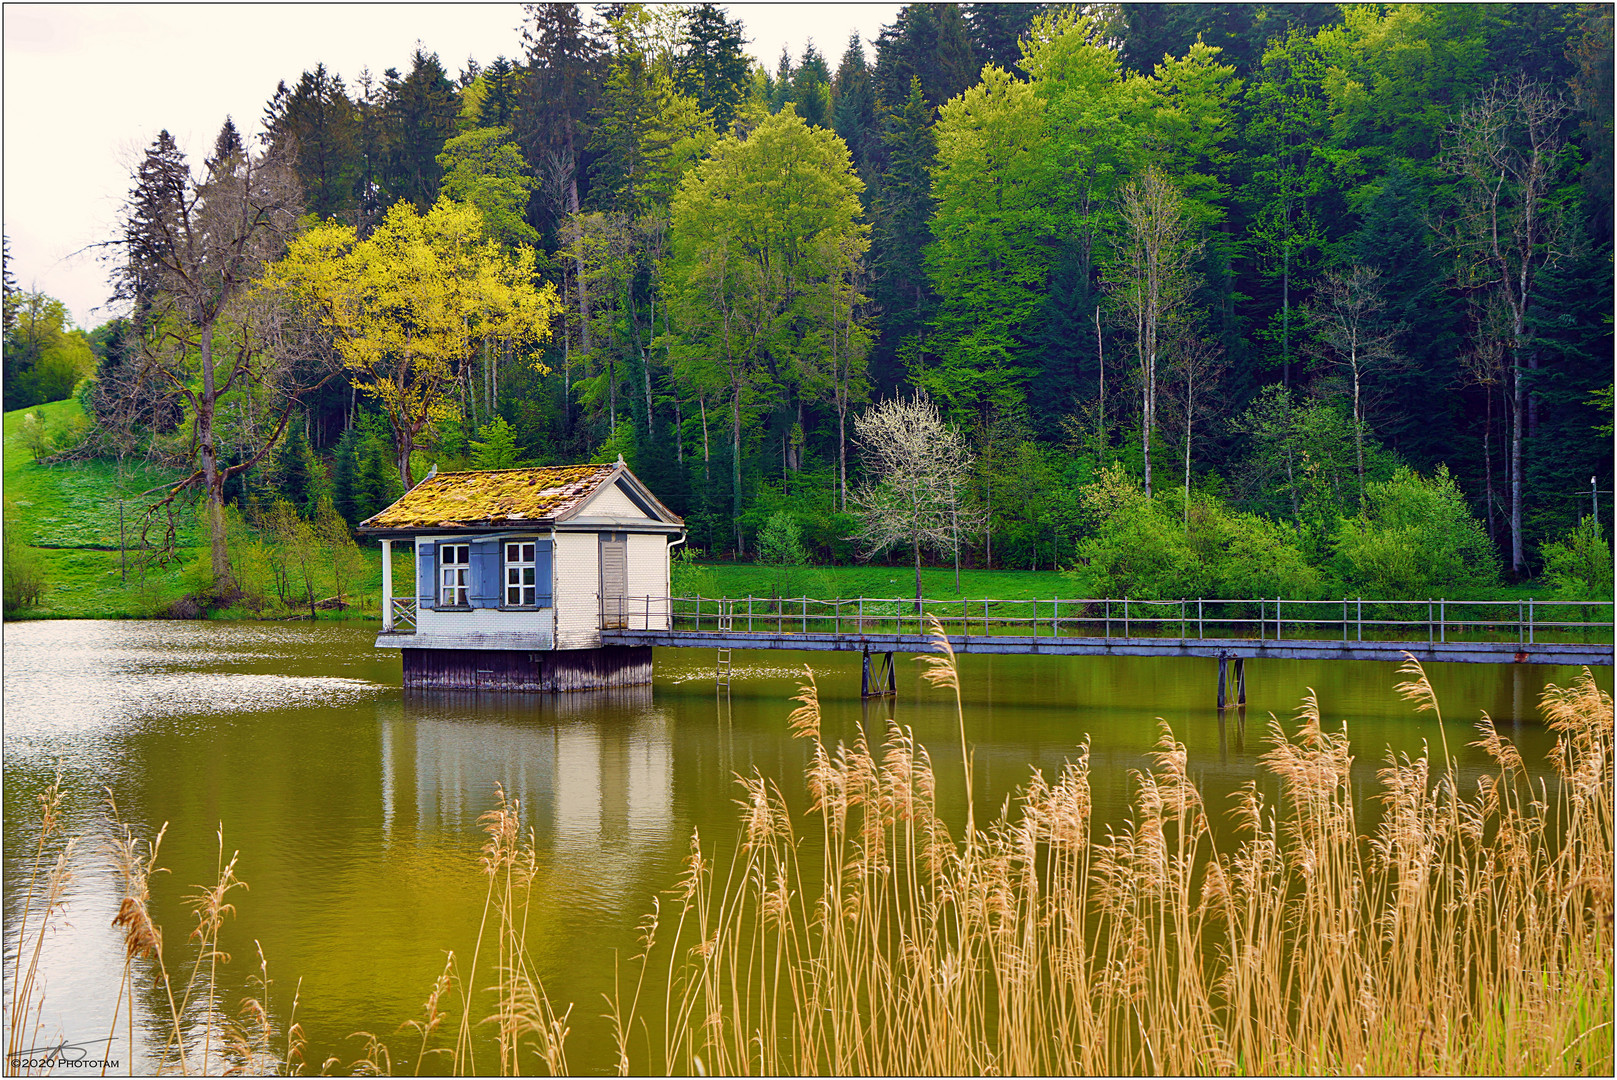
403	614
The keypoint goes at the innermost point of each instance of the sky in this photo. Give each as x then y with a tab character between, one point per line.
87	87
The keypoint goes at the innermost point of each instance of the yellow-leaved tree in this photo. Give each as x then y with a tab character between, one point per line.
409	307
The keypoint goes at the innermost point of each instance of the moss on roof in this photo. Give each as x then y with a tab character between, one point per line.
458	499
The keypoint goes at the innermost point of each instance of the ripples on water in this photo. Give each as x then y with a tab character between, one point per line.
355	806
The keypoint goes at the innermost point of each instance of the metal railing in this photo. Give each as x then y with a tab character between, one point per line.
404	615
1438	620
640	612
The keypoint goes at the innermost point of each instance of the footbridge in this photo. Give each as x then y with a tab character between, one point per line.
1439	630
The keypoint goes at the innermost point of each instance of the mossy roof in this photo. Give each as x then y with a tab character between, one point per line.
493	497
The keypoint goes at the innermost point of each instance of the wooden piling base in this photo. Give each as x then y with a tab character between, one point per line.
878	684
531	672
1223	677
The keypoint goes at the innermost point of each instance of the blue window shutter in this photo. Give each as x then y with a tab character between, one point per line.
541	574
485	589
426	567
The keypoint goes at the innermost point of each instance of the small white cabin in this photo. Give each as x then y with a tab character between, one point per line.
519	570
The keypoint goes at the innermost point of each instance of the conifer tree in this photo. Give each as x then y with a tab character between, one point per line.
315	126
901	212
714	68
853	111
500	86
927	42
419	112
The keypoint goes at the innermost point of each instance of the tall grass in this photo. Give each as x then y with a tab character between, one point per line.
1468	931
43	899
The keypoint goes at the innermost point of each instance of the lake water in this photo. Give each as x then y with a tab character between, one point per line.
355	805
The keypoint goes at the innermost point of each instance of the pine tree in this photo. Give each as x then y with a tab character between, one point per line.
376	483
902	209
501	81
10	284
997	31
297	474
152	221
853	112
558	94
345	475
714	68
927	42
811	88
316	126
419	114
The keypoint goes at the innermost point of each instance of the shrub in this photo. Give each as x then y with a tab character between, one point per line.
780	545
35	439
780	541
342	555
688	577
1153	550
24	585
1578	565
1252	556
1140	551
1414	539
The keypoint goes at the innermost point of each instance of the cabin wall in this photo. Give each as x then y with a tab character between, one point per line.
574	620
612	502
648	576
538	622
578	590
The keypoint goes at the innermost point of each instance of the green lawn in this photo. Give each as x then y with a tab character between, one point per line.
68	513
829	582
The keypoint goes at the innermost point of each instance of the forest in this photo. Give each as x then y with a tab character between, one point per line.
1211	299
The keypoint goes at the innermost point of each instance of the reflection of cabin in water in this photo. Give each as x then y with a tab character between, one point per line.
517	573
591	771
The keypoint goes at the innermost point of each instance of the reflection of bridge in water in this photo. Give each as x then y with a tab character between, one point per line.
1440	630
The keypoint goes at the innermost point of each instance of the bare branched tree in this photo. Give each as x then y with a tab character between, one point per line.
1151	282
1352	333
1505	230
1483	366
1192	390
193	245
918	468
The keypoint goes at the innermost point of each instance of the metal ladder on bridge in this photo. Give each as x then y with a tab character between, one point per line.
721	672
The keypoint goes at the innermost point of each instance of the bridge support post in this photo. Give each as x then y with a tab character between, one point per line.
873	685
1223	674
1240	680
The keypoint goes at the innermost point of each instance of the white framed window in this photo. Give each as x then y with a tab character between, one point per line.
454	575
519	573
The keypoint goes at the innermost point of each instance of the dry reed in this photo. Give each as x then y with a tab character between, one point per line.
1467	933
26	1001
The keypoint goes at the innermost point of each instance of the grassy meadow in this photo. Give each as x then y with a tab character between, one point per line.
67	515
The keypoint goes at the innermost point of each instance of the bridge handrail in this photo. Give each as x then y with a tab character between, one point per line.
1275	619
